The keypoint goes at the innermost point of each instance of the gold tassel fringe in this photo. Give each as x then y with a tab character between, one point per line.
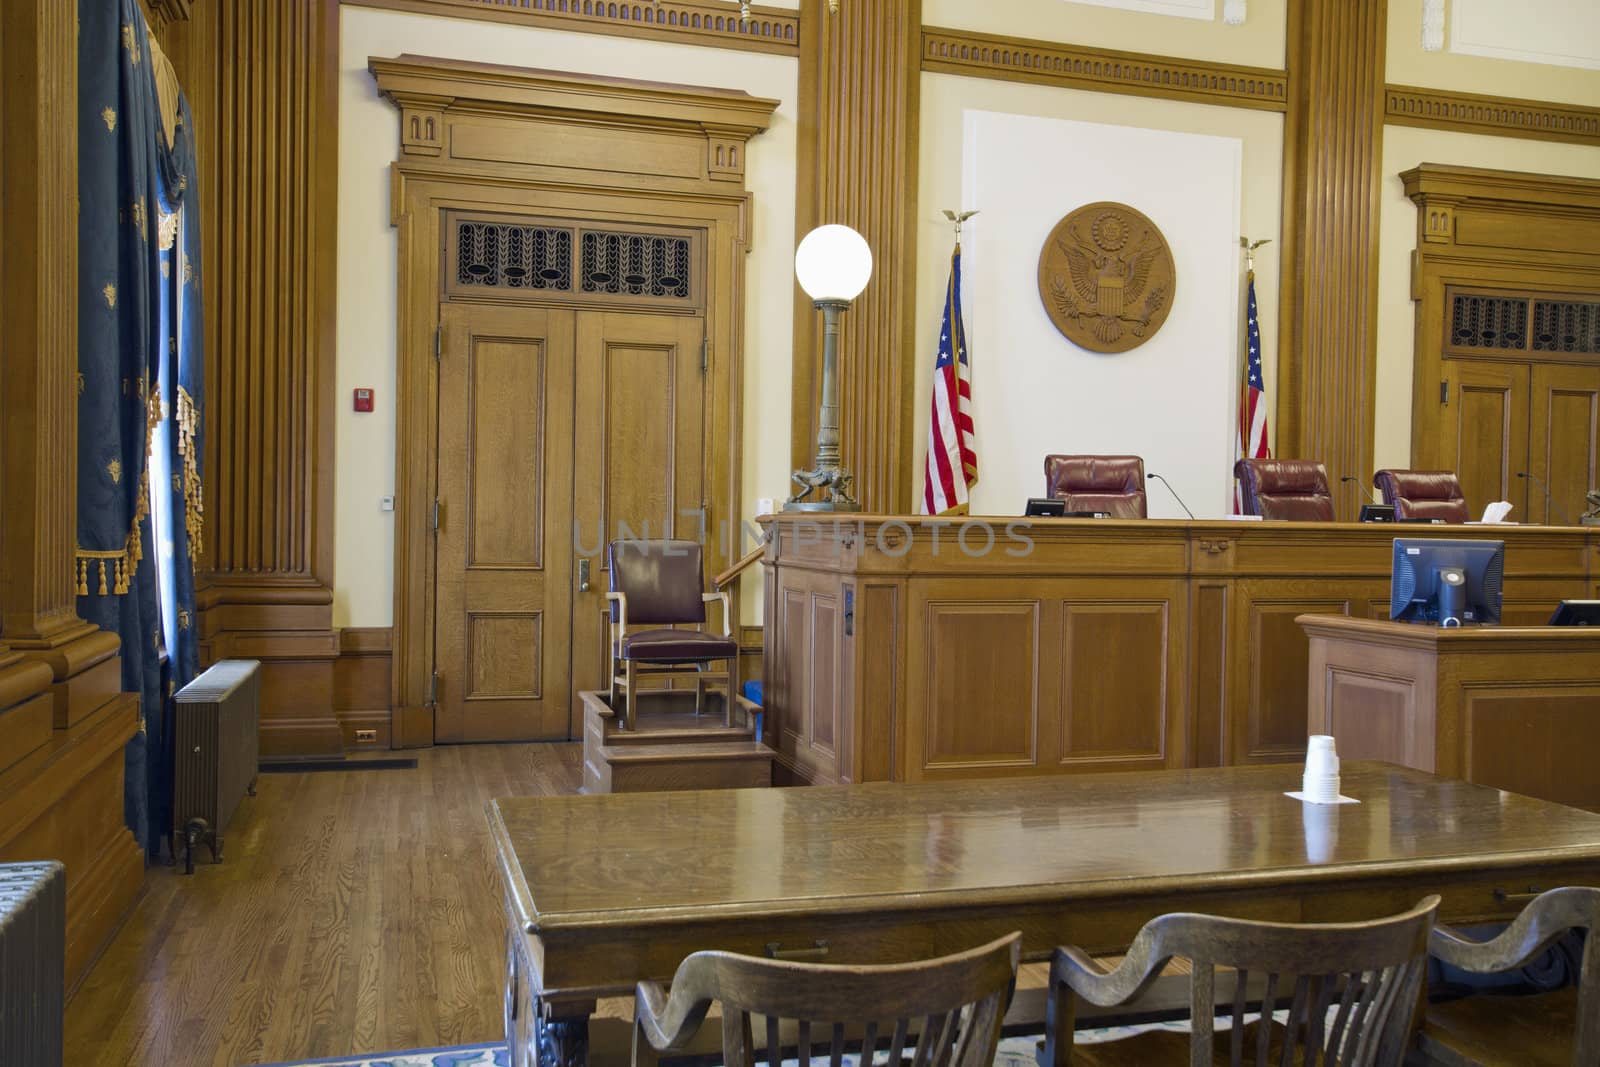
124	562
187	422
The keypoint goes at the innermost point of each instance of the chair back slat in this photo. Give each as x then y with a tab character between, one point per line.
897	1047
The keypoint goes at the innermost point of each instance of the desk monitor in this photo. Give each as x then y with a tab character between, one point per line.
1447	582
1046	506
1377	512
1577	613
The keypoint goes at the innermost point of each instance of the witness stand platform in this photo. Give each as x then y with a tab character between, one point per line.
671	747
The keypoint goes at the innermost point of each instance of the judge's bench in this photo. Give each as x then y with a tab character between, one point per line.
908	648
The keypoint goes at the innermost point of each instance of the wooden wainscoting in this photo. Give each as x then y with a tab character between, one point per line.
362	685
1077	645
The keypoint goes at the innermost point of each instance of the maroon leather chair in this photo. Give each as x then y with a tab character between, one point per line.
659	584
1293	489
1423	494
1113	484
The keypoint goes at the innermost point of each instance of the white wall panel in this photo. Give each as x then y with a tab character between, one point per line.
1171	400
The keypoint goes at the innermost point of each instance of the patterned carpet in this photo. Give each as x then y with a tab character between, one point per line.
1013	1052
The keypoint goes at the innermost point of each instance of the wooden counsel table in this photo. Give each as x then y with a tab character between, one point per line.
899	648
1514	707
603	891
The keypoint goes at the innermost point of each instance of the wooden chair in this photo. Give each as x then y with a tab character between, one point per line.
1370	973
1528	1031
945	1012
660	584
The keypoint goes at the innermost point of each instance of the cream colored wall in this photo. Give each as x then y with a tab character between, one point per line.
946	97
1258	42
369	142
1404	148
1408	64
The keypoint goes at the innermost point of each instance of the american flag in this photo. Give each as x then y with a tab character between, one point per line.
1252	401
952	464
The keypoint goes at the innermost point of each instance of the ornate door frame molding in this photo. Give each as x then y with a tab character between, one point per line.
497	139
1497	229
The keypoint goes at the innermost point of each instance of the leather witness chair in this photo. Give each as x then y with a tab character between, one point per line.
1423	494
1292	489
660	584
1113	484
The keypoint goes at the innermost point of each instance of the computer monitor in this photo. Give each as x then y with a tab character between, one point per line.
1447	582
1046	506
1377	513
1577	613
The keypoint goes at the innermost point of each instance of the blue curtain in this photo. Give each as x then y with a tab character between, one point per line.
139	364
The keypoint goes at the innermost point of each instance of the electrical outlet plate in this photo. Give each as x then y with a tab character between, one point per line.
366	737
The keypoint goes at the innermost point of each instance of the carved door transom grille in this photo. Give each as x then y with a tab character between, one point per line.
1502	322
513	255
559	260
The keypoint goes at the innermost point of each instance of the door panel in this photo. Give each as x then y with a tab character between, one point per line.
1563	439
640	451
504	547
1485	424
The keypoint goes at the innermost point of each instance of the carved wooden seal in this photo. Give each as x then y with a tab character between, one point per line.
1106	277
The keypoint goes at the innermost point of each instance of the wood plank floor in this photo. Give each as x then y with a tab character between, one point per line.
356	912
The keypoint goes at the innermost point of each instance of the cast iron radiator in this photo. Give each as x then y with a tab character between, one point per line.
215	752
33	952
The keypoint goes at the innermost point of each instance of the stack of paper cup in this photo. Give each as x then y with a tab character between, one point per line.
1321	781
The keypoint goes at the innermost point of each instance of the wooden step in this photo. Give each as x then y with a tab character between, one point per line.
646	768
670	748
664	719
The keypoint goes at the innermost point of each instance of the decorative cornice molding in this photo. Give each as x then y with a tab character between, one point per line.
1500	116
769	29
443	83
1070	66
1481	187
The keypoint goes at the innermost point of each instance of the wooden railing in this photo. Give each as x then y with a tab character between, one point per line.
751	559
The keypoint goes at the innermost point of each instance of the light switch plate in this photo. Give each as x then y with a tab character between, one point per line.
386	503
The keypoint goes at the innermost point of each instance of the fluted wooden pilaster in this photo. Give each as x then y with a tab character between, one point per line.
269	288
63	722
859	78
1333	146
39	297
262	81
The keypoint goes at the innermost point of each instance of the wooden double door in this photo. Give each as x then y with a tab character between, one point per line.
1500	418
559	428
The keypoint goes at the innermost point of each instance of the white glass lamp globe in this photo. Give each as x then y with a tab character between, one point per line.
833	262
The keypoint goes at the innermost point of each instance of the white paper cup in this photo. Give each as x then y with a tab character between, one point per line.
1321	788
1321	759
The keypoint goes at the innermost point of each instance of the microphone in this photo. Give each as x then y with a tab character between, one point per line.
1363	485
1174	493
1548	502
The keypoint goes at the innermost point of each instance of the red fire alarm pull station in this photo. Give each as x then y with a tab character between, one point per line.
363	399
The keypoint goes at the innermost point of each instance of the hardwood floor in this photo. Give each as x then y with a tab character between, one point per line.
355	912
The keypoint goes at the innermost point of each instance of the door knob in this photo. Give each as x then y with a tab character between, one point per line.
583	576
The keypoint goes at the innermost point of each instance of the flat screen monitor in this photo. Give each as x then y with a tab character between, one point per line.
1046	506
1377	512
1577	613
1447	582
